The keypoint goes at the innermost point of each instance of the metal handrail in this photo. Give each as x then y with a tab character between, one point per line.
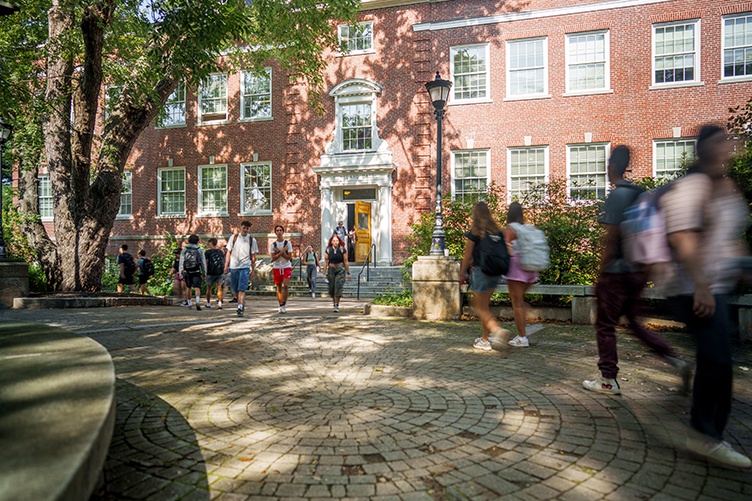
372	250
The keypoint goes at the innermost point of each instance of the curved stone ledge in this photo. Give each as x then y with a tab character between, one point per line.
57	412
379	310
44	303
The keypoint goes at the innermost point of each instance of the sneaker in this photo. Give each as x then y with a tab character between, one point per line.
336	308
198	306
482	345
313	294
603	385
519	342
233	300
326	280
219	305
500	340
208	305
283	309
718	451
240	312
685	371
185	303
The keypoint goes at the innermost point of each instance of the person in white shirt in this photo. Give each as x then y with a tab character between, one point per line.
241	262
281	252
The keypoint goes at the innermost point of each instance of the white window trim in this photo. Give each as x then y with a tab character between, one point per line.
723	79
607	64
200	199
45	219
199	111
355	91
453	100
243	75
160	212
487	152
667	140
521	97
698	54
569	162
242	191
185	115
372	50
120	215
546	165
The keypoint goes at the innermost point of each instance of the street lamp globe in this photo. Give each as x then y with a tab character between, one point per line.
438	89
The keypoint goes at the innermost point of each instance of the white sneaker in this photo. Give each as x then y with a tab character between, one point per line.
282	309
219	305
208	305
519	342
482	345
336	308
718	451
603	385
313	294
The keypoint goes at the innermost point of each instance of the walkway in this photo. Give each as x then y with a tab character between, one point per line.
314	405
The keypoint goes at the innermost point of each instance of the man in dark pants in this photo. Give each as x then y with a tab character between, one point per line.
619	287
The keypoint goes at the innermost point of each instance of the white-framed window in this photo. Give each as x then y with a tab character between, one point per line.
256	95
126	196
671	155
44	192
470	173
212	99
171	191
212	190
586	170
470	73
737	46
528	168
357	127
588	59
173	112
256	188
676	54
527	68
356	38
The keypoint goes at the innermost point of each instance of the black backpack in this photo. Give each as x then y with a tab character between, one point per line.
147	267
215	262
190	260
129	265
493	256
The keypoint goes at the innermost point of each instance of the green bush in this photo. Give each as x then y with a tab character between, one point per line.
404	298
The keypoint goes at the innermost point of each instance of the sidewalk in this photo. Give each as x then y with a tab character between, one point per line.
318	405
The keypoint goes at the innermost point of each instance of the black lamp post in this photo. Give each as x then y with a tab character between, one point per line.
5	131
438	89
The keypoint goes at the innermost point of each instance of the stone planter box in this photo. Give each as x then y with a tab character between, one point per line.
383	311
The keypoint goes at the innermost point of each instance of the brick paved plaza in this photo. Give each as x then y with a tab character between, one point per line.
311	405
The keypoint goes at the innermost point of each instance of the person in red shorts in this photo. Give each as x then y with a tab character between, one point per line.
281	252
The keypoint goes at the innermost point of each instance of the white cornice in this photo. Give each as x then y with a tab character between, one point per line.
382	4
533	14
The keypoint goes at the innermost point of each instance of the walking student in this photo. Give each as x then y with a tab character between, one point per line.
519	280
126	269
281	252
193	267
619	287
337	268
241	263
145	272
178	282
215	269
483	226
311	259
705	218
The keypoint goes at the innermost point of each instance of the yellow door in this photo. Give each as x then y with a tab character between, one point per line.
362	230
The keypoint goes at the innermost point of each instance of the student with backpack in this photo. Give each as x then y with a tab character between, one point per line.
240	262
126	269
193	267
486	251
215	269
529	253
311	259
620	285
281	252
145	272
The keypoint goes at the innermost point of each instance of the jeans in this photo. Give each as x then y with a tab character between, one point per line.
711	394
618	294
311	277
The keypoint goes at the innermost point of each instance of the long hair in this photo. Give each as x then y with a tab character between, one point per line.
515	214
341	242
483	220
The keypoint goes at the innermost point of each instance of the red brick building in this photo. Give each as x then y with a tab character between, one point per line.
542	89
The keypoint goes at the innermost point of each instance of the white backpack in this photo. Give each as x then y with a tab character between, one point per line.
533	246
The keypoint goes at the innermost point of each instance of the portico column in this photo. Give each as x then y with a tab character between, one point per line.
384	244
327	216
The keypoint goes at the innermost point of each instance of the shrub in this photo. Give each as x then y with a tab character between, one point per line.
404	298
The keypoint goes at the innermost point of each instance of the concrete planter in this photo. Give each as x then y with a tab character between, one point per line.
384	311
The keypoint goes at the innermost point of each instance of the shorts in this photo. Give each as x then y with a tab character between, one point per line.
214	279
516	272
239	278
142	279
484	283
179	277
193	279
127	280
281	274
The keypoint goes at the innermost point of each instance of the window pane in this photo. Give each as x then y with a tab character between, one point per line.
587	61
526	67
675	53
470	174
672	156
213	98
257	95
213	190
172	191
257	188
527	169
587	171
356	127
126	195
470	74
356	37
737	46
46	208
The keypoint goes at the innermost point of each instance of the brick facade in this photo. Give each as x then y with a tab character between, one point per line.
410	43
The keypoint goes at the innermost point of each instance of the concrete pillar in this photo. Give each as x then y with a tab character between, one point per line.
14	281
436	288
583	310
